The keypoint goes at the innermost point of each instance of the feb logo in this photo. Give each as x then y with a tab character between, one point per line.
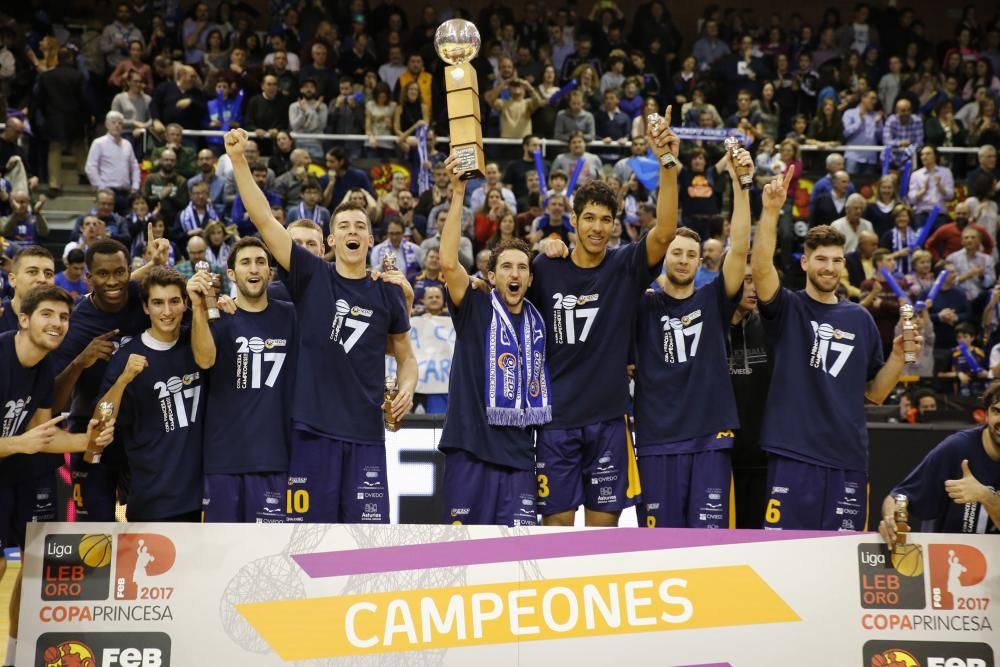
141	558
102	649
891	653
76	567
957	572
891	581
69	654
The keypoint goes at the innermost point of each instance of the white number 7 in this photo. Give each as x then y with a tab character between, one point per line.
359	327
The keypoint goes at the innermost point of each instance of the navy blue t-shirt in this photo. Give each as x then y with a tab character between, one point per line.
344	324
8	321
247	417
681	387
931	510
824	355
276	291
22	392
159	426
589	318
465	425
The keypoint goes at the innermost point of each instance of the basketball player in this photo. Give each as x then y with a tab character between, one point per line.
955	488
488	437
106	318
828	360
27	381
685	411
156	388
250	357
589	300
337	464
32	266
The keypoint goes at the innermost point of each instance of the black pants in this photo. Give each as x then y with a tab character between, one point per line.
750	490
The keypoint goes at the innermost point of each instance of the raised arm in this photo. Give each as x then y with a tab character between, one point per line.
202	343
271	231
663	141
765	275
455	275
734	265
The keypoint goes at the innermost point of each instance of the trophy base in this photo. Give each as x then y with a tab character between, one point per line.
471	161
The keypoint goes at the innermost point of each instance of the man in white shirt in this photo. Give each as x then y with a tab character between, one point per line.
111	162
976	272
492	174
394	68
116	37
852	224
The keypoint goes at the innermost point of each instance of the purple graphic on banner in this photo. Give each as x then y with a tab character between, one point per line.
557	544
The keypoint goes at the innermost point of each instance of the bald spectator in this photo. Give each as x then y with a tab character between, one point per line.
711	261
186	156
197	251
13	159
111	162
859	265
60	99
834	163
178	101
115	38
206	174
279	44
903	132
931	185
566	162
24	225
947	238
828	208
92	231
268	112
320	71
289	184
170	189
574	119
852	224
104	210
975	269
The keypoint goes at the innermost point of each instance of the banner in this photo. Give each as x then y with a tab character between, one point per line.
155	595
433	338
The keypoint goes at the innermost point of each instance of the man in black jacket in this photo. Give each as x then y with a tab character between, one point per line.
179	101
59	93
267	113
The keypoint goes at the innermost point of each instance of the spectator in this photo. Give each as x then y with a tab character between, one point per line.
700	202
554	223
479	195
140	244
949	309
133	105
391	70
224	169
582	56
430	276
879	298
862	125
13	159
711	263
987	168
194	33
179	101
288	79
138	217
111	164
170	189
268	112
320	71
744	69
308	116
971	110
218	244
187	158
947	238
859	265
834	163
346	114
852	224
116	39
984	128
901	237
517	110
488	215
858	35
768	111
433	240
358	59
830	206
199	212
310	208
415	72
561	45
240	216
104	210
574	119
611	124
73	279
91	231
921	279
903	133
515	173
341	177
975	269
133	64
63	122
225	110
206	174
943	130
623	168
409	256
931	185
881	211
507	230
281	159
826	128
709	48
410	114
970	382
379	112
289	185
24	226
889	84
566	162
197	251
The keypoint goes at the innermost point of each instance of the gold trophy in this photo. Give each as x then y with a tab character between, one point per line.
909	330
391	391
742	171
389	263
901	515
212	295
667	160
103	413
457	42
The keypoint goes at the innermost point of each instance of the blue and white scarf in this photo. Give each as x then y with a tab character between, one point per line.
189	217
898	243
315	215
517	380
423	174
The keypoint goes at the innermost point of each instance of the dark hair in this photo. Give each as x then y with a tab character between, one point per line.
246	242
135	196
33	251
689	233
75	256
162	276
879	255
35	296
990	396
339	153
965	328
106	247
924	393
527	139
349	206
510	244
311	183
821	236
595	192
258	166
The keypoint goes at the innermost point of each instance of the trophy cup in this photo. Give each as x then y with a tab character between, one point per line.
457	42
391	391
102	414
742	171
667	159
212	295
909	330
389	263
901	515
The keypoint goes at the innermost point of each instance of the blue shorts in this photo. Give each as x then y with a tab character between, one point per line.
803	496
24	501
95	488
334	481
480	493
686	490
592	466
246	498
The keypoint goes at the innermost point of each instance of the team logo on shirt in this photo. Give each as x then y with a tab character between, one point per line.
347	318
175	395
676	331
570	312
827	341
14	414
250	360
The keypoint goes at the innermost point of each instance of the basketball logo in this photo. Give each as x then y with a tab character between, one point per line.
343	308
908	560
894	658
69	654
95	550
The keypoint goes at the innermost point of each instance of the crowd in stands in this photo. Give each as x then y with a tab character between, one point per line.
125	95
